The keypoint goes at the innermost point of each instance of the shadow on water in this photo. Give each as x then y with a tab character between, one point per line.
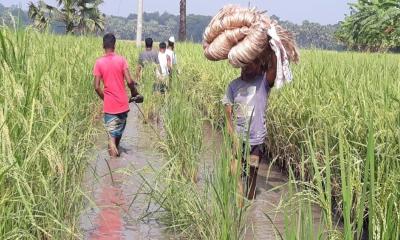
117	204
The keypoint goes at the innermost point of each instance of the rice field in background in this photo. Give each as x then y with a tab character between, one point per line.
335	131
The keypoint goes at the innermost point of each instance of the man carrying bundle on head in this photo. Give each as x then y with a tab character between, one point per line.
262	49
245	101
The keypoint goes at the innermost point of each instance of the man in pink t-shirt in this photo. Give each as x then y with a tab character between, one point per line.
113	70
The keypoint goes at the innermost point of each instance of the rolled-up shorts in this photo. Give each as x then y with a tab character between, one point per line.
115	124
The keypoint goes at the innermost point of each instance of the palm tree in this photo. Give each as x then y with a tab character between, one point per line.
139	28
77	15
182	20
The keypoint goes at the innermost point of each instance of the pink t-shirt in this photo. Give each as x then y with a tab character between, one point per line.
111	69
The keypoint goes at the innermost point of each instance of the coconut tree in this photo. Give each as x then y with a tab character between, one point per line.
182	20
77	15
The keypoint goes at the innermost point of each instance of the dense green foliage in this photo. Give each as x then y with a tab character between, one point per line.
373	25
47	111
81	16
335	128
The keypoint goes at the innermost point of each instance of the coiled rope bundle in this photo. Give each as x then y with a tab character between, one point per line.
241	35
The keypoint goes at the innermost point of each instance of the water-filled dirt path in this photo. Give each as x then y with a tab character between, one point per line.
272	191
118	205
118	202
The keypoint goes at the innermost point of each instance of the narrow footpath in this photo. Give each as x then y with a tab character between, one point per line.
118	207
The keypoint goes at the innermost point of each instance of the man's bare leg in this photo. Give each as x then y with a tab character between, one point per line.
117	141
112	147
252	180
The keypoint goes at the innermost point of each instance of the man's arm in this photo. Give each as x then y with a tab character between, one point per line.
229	119
138	72
130	82
96	85
230	128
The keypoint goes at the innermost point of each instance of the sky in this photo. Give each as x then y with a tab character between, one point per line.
321	11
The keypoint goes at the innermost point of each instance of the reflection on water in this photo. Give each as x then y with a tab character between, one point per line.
118	202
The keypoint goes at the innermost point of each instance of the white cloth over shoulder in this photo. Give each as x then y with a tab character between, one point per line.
283	72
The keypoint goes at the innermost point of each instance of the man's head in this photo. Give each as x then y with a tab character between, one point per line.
251	70
109	41
171	42
149	43
163	47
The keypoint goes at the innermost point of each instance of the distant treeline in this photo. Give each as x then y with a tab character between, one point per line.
161	26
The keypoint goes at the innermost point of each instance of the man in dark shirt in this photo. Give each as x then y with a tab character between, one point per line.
147	56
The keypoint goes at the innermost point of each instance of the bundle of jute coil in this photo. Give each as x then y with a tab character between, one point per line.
241	35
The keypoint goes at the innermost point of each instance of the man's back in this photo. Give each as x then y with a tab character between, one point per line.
111	69
148	56
162	58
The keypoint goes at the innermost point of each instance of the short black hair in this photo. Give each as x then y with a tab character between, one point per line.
149	42
109	41
163	45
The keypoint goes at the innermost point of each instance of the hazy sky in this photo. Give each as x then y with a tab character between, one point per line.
322	11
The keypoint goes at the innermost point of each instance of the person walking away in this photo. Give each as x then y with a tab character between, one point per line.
165	67
147	56
111	70
171	52
245	101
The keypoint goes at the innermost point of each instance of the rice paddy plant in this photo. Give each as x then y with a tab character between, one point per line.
46	128
336	127
183	131
153	100
195	210
228	201
329	105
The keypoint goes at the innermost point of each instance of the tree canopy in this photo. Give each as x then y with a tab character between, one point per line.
160	26
76	15
373	25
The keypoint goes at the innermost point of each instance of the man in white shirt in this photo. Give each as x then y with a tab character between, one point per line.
165	67
164	60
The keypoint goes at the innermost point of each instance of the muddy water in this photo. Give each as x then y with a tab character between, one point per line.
118	205
271	191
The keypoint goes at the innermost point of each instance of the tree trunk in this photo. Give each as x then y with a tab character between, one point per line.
182	21
139	27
